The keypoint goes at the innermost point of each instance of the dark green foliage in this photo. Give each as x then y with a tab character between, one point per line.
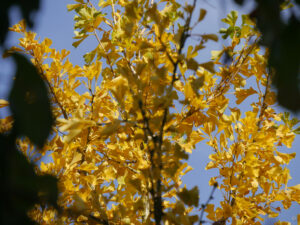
240	2
29	103
21	187
283	40
26	7
285	58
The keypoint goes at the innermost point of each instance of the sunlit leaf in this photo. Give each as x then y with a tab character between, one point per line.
242	94
3	103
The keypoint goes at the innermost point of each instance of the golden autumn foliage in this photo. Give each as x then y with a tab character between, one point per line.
128	119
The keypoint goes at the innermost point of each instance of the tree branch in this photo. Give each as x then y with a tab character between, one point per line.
203	206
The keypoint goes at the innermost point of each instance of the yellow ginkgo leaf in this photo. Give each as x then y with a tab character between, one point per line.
75	126
3	103
188	91
242	94
87	167
296	187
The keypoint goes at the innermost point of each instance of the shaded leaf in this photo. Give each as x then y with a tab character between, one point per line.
190	197
202	14
76	43
192	64
208	66
197	83
212	37
88	57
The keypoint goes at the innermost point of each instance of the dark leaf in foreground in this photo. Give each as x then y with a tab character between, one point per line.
21	187
29	103
26	9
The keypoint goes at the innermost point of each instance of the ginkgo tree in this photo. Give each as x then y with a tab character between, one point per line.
120	147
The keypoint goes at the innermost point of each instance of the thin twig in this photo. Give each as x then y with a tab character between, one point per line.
89	128
264	105
219	90
91	4
140	103
75	214
203	206
106	53
157	195
121	163
113	10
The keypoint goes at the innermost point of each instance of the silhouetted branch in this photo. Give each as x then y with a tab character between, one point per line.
203	206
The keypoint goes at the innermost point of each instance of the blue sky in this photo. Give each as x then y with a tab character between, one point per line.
53	21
